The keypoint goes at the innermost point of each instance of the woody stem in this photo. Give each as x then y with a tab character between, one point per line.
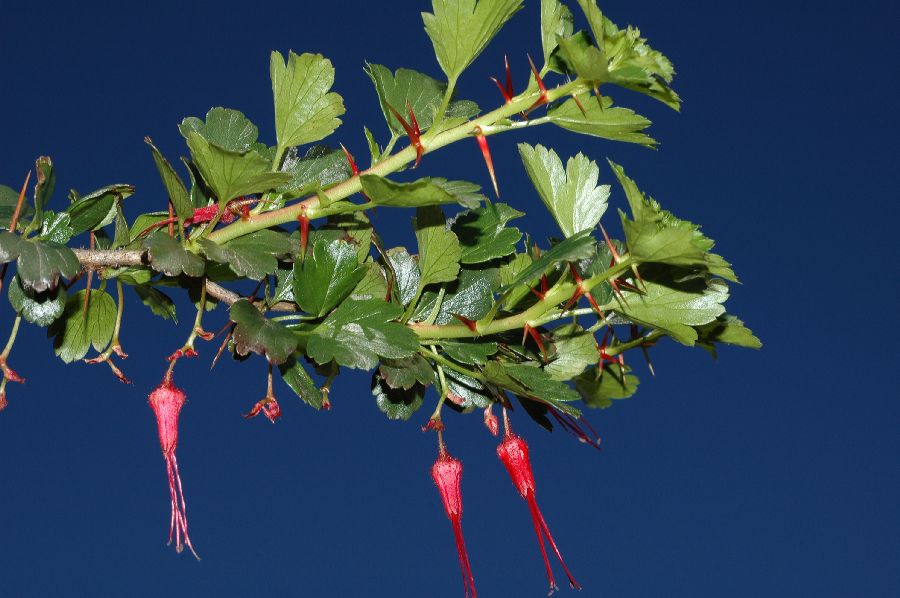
388	165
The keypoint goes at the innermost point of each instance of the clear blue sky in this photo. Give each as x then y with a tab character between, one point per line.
771	473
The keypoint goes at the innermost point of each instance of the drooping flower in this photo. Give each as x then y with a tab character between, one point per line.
447	475
166	400
513	452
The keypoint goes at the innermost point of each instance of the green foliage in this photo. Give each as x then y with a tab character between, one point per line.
571	195
460	29
305	109
420	93
357	333
477	311
254	332
78	329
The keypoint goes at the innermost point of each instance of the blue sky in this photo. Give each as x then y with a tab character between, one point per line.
764	473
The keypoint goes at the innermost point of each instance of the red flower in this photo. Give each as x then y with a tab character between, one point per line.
166	400
513	452
447	474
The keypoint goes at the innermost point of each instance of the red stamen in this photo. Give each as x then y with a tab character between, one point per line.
166	400
513	452
447	475
470	324
573	427
486	154
543	99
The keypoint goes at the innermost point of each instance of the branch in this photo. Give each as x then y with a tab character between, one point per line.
116	258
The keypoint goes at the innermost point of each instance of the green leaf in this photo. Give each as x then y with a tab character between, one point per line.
576	349
43	188
159	303
428	191
305	110
10	246
601	391
727	330
556	21
608	122
55	227
656	235
483	233
577	247
77	330
533	383
254	332
296	376
576	56
327	275
439	249
41	263
631	62
178	193
41	309
357	333
673	310
231	175
423	94
406	372
169	257
571	195
467	393
246	262
96	209
470	296
9	198
225	128
373	284
469	353
396	403
320	167
460	29
406	274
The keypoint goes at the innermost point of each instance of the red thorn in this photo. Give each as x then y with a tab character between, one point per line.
303	219
538	294
536	336
598	96
580	107
353	167
486	154
507	91
543	99
612	248
411	128
470	324
544	284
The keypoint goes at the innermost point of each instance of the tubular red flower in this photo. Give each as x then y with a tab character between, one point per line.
166	400
447	475
513	452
